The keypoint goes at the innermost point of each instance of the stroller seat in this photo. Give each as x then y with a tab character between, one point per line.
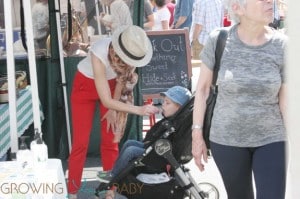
168	147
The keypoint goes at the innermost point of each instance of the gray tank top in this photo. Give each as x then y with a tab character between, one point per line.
247	112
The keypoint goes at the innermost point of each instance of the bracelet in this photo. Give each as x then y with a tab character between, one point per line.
197	126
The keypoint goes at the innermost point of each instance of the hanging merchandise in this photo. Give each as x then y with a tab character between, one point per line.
21	83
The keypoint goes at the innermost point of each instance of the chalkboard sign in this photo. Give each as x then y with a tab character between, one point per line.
170	64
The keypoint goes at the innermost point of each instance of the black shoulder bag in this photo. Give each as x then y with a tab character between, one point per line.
211	101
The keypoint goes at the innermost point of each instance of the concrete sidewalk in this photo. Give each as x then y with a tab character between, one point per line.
93	165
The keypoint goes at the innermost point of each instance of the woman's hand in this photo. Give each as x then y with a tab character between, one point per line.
199	149
111	117
148	109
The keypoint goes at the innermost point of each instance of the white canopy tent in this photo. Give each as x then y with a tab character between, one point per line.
11	71
11	76
56	37
63	76
32	69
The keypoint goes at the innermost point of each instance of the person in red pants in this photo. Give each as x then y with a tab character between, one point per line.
101	77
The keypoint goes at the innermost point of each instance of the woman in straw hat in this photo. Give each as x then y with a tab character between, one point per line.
107	76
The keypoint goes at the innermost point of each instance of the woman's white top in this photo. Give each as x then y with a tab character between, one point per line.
160	15
99	49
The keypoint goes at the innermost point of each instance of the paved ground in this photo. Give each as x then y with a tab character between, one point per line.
93	165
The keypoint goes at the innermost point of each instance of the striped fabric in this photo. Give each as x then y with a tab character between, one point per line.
24	118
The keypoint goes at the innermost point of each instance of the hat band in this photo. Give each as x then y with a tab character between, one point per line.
127	52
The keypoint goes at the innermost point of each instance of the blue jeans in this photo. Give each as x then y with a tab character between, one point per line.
131	149
236	164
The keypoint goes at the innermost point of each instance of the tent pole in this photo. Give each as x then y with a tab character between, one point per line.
32	66
11	78
63	74
97	15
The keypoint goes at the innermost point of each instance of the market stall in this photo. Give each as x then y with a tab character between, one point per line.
54	90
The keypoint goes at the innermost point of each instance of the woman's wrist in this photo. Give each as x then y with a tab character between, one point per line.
138	110
197	126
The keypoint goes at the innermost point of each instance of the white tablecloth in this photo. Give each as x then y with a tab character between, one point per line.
28	183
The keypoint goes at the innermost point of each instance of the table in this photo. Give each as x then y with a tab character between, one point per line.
30	183
24	118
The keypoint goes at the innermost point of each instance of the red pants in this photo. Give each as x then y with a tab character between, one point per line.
84	99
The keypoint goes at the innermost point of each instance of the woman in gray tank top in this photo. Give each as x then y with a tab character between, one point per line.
247	136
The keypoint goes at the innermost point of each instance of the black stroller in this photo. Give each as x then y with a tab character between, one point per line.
168	149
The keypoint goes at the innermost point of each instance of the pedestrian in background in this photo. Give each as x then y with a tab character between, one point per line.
148	13
248	135
207	16
161	15
171	6
119	14
40	23
183	14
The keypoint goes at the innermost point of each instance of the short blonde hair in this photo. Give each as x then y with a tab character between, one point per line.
228	5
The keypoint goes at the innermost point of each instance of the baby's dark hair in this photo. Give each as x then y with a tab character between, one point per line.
160	3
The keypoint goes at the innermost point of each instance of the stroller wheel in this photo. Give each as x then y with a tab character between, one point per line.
208	191
101	190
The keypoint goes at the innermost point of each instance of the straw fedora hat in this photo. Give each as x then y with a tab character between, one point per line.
132	45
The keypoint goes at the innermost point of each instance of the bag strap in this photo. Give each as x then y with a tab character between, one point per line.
70	25
23	34
222	37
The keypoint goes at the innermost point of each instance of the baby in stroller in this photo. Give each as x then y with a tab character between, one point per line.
166	147
174	98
